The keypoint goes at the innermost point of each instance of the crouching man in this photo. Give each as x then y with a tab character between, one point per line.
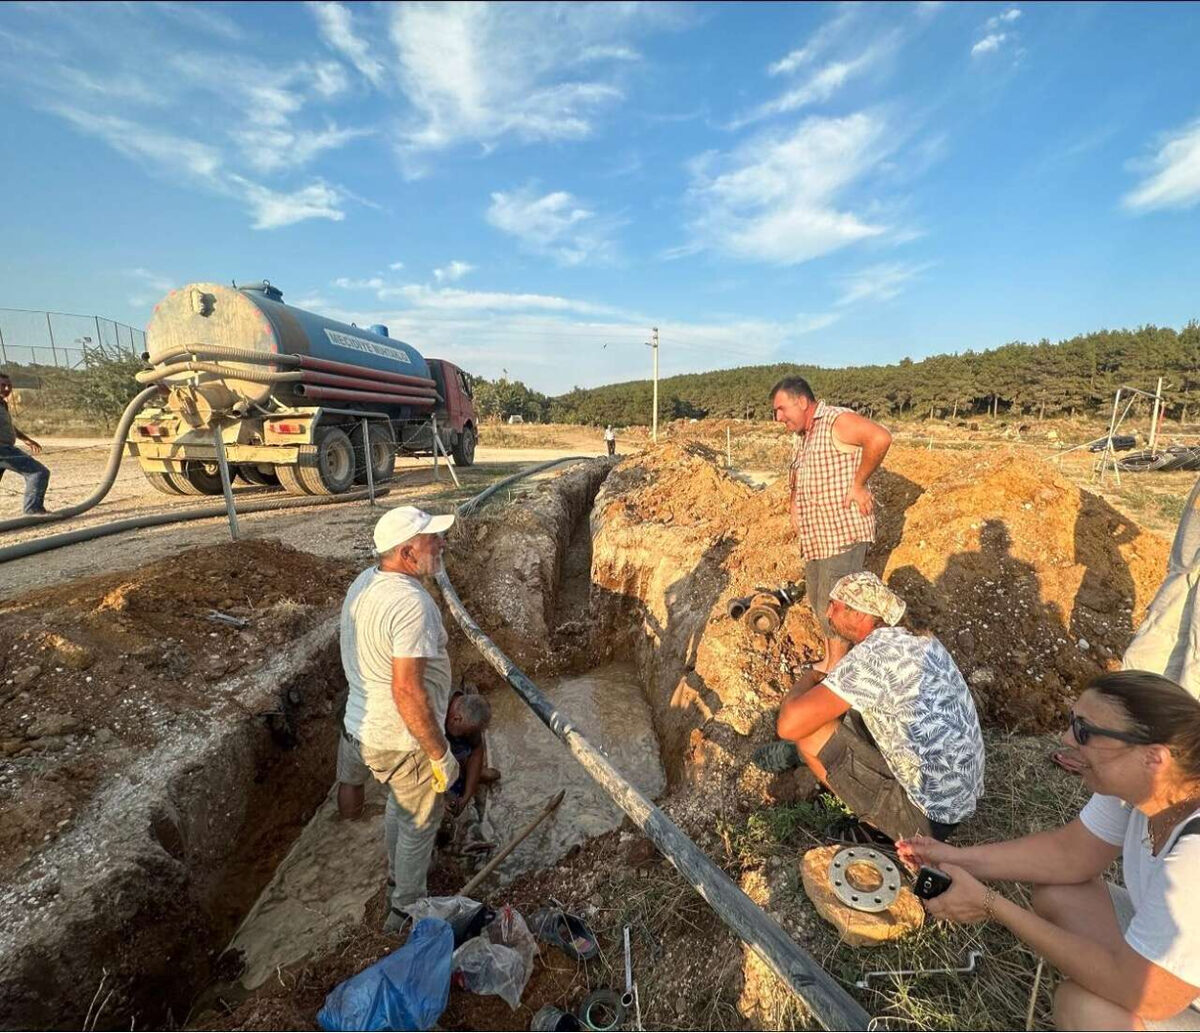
393	647
891	728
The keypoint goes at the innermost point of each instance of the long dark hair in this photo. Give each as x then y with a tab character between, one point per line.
1165	713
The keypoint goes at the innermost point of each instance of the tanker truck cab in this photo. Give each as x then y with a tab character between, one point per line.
297	399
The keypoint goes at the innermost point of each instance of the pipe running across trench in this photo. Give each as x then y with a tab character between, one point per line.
830	1004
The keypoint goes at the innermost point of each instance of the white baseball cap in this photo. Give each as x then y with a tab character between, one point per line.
398	525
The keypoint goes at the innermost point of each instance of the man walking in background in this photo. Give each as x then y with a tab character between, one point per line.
393	646
832	509
14	459
610	439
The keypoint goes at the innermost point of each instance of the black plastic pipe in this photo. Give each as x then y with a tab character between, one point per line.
830	1004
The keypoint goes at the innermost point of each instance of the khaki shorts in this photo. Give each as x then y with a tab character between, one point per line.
1189	1018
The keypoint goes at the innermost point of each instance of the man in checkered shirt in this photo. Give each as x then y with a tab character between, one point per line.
832	509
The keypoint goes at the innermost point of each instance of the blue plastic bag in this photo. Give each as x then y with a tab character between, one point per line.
407	990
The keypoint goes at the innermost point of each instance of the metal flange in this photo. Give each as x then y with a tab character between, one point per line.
871	900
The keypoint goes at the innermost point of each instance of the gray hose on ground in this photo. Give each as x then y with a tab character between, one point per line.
472	504
87	534
115	455
831	1005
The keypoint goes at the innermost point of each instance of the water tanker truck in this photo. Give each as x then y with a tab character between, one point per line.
291	393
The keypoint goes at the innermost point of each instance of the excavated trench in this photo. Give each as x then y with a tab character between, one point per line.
185	848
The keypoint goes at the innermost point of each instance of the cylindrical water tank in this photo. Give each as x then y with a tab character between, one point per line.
255	318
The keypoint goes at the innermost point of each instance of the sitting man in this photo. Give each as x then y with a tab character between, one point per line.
891	728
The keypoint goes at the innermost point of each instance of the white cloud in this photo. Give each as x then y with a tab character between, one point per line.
155	281
989	43
395	266
878	282
819	87
335	22
346	283
271	149
421	295
1173	173
452	272
817	44
554	224
484	73
1007	18
779	197
204	17
329	79
275	208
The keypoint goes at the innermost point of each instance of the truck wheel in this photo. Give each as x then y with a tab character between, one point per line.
383	453
163	482
199	478
261	474
325	468
464	448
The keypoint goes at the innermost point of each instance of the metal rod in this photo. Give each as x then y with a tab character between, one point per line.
1154	417
627	996
437	445
226	485
369	460
3	353
1112	426
50	329
832	1007
512	844
433	430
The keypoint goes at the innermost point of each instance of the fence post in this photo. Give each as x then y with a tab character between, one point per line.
4	354
50	328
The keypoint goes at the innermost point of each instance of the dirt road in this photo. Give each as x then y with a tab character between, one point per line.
335	531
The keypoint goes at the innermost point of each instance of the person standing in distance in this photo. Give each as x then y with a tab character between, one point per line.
831	505
610	439
37	477
393	647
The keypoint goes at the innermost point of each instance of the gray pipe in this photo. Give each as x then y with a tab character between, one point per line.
86	534
831	1005
115	455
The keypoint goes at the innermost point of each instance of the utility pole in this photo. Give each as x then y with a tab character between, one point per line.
653	345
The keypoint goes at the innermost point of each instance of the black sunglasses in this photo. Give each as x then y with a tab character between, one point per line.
1083	730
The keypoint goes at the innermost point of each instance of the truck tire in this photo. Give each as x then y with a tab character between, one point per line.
464	447
383	452
325	467
163	482
261	474
199	478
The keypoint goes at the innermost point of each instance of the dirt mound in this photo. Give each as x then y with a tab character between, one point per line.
1033	584
92	672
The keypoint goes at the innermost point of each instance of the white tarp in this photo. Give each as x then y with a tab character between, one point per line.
1168	642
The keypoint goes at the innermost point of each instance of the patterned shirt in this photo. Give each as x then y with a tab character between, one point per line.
916	705
821	473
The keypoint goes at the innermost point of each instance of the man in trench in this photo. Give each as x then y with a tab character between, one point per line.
830	501
891	729
393	647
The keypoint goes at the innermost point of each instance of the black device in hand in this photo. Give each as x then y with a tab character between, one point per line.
930	882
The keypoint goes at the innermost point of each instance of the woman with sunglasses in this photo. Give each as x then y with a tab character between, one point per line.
1130	955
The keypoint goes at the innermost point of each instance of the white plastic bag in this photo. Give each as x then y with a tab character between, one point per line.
500	960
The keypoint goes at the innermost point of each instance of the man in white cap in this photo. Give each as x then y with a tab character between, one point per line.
891	729
393	646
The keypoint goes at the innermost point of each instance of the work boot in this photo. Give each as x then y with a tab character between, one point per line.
777	756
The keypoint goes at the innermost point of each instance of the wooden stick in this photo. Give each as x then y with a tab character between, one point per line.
512	844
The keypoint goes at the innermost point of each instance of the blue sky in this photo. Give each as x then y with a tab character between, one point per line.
530	187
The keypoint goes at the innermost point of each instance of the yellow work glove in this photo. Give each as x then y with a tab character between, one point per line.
445	772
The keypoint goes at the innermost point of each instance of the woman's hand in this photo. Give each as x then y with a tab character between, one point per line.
925	850
964	902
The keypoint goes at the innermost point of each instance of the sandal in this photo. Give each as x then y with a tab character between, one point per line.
565	931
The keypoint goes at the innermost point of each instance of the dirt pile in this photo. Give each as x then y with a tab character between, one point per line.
93	672
1033	584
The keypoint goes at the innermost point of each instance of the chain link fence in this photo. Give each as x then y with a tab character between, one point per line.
31	337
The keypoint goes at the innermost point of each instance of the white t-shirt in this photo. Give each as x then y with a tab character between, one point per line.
919	710
388	615
1165	890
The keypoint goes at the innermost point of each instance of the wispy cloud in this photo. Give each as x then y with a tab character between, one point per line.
395	266
781	197
878	282
452	271
997	32
348	283
335	22
483	73
1172	174
554	224
816	45
816	89
151	285
271	149
454	298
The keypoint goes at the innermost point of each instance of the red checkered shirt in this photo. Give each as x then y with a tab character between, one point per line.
820	475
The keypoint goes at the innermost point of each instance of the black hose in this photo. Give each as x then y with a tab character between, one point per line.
86	534
472	504
830	1004
115	455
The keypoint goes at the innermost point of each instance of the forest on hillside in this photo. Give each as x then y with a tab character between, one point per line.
1073	377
